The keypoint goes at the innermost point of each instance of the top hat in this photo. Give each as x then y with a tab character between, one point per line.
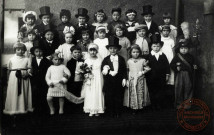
45	10
131	11
113	42
156	38
32	13
147	10
82	12
66	13
116	10
167	15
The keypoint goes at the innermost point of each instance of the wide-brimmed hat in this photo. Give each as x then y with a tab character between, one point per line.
147	10
131	11
32	13
113	42
45	10
141	26
156	38
65	12
82	12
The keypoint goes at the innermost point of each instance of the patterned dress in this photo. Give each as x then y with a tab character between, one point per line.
137	95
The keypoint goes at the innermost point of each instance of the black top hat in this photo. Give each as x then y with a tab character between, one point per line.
147	10
45	10
116	10
113	42
156	38
82	12
66	13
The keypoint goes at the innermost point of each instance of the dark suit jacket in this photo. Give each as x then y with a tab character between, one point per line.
153	28
78	29
49	49
41	28
113	84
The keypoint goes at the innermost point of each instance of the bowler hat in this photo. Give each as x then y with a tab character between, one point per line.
45	10
113	42
147	10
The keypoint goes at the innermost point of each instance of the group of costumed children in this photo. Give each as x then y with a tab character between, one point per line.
105	65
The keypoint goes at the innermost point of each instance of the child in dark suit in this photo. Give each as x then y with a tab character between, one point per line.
115	74
40	66
183	65
159	74
49	44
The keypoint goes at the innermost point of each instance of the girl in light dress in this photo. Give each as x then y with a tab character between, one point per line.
56	78
19	95
64	50
93	84
137	95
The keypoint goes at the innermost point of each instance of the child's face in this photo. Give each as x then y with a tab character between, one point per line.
93	53
68	38
148	18
184	50
141	33
56	61
49	35
100	18
38	53
85	36
165	32
31	37
156	47
20	51
135	53
115	16
76	54
64	19
30	21
131	17
82	20
166	21
113	50
46	19
119	32
101	34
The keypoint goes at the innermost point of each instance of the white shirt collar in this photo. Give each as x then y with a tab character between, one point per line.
114	58
148	24
50	41
154	53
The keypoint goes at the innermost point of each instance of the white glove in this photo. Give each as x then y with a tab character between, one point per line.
124	82
105	69
112	73
140	73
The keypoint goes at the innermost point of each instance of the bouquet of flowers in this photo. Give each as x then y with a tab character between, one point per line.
87	71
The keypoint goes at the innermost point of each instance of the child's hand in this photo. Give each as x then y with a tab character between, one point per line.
124	82
112	73
51	85
139	74
195	67
65	75
167	77
106	68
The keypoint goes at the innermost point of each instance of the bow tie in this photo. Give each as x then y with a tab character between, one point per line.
114	58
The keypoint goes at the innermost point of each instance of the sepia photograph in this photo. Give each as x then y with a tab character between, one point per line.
107	67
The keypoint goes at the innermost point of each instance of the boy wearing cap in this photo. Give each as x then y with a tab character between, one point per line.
151	25
167	21
45	16
183	65
65	16
131	15
142	40
114	71
83	18
116	15
40	65
159	74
